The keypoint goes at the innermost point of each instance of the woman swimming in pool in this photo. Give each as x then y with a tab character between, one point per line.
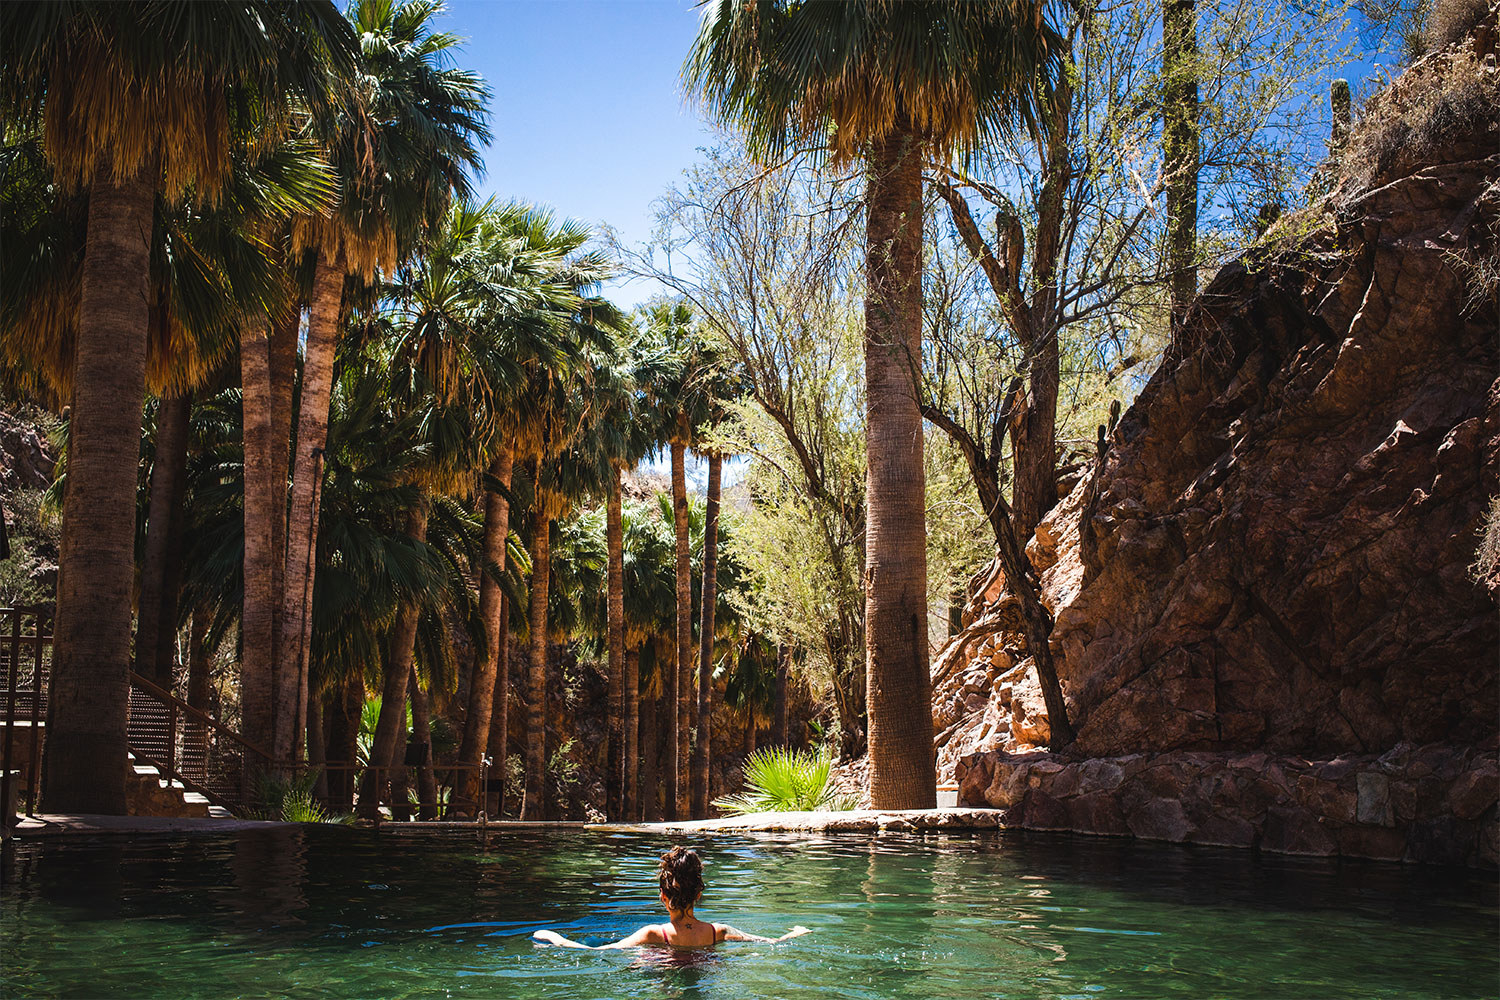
681	885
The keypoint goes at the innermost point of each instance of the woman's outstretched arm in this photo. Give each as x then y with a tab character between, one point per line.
723	932
646	935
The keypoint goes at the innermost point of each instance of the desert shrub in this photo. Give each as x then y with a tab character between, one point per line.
1443	101
783	780
1451	21
1486	565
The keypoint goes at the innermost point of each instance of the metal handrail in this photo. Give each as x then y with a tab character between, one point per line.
168	698
41	614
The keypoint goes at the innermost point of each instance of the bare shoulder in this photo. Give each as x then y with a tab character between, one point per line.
649	934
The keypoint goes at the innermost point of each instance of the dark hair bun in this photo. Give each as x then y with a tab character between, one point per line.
681	877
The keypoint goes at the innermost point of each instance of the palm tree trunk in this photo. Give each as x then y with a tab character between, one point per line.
283	356
302	515
615	757
1180	149
161	562
342	745
533	806
262	501
390	729
710	596
84	766
903	774
650	740
749	745
197	686
486	687
421	735
317	751
679	688
499	741
630	807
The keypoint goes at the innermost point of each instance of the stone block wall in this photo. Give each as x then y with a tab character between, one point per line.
1435	803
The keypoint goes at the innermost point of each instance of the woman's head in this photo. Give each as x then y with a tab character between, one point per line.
681	878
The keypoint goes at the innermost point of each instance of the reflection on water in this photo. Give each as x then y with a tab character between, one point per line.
340	912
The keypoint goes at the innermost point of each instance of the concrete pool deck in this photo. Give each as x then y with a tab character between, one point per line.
853	821
70	824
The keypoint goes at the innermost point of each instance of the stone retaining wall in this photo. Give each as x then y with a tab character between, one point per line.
1432	804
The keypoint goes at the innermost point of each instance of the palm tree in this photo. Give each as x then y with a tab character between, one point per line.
552	407
509	328
402	149
649	606
109	83
890	83
709	592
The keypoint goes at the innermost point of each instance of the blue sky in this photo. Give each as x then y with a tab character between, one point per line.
588	112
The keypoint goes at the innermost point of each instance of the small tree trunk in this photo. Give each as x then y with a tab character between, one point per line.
630	807
710	596
486	687
302	515
1038	624
903	774
161	563
389	745
533	806
783	666
679	688
499	741
615	754
420	749
749	744
84	763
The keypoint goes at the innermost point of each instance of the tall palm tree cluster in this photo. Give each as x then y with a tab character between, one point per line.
327	413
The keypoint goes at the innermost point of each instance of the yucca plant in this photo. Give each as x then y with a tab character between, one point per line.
783	780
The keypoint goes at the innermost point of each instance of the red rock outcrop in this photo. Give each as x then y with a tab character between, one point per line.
1273	554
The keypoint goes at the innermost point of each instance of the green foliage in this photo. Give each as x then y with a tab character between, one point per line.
564	775
300	807
783	780
288	799
34	537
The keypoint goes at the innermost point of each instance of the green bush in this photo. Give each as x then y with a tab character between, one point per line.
301	807
782	780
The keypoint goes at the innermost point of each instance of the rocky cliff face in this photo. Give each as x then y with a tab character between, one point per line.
1273	553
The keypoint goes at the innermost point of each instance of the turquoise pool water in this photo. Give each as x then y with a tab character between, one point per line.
338	912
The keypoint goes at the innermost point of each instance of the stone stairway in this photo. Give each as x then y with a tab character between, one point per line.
147	793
